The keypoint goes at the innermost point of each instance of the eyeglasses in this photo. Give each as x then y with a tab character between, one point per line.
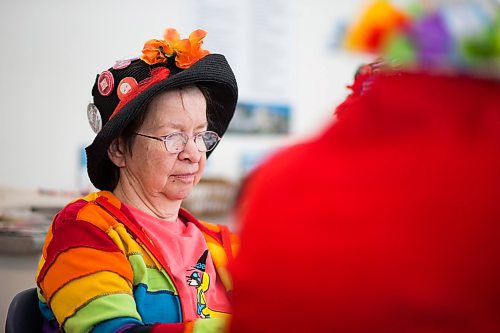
177	141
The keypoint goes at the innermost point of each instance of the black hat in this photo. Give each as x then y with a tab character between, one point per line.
123	91
202	262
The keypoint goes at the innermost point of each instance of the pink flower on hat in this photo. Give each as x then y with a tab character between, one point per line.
186	51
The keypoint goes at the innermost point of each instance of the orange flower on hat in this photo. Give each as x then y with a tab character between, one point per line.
156	51
171	36
186	51
189	50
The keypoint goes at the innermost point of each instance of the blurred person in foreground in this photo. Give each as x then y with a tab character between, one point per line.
388	220
128	258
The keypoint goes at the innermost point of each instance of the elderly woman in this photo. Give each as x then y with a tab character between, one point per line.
128	258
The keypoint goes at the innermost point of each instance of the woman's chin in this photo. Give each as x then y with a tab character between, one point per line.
180	194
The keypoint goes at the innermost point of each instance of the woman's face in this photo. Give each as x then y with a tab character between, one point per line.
158	173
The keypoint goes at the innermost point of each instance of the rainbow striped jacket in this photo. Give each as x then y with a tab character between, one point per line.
99	272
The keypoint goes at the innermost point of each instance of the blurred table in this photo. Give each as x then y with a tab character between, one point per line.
25	215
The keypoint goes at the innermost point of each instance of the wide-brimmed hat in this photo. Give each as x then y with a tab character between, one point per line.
123	91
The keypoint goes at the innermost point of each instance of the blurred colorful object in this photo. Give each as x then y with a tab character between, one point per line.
373	28
447	36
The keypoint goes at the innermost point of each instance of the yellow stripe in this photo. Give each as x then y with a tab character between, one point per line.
149	259
210	226
41	262
119	234
110	196
79	292
91	196
220	261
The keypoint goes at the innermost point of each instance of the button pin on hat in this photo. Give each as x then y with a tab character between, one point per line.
126	86
121	64
94	117
105	83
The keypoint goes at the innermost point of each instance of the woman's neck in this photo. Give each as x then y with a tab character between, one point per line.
156	205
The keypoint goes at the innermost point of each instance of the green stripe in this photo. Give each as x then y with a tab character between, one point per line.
139	269
153	278
40	296
209	325
101	309
158	280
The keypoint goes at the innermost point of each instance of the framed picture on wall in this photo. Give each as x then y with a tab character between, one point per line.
260	118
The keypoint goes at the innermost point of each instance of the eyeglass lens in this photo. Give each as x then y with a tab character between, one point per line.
205	141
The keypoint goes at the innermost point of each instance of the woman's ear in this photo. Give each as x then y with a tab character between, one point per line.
116	152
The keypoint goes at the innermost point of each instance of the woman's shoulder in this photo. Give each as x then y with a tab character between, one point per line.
87	209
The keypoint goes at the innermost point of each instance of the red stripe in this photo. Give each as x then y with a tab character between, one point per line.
71	234
168	328
226	242
68	213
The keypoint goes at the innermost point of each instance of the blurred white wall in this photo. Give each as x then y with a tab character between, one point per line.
52	50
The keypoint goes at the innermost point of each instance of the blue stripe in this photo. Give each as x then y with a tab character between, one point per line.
45	310
157	307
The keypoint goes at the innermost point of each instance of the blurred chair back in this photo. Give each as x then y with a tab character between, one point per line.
24	315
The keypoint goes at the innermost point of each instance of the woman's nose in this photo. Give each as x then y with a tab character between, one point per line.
190	151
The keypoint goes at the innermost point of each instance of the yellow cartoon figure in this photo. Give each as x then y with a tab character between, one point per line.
201	280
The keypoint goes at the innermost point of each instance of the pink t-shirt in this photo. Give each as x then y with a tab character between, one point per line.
183	247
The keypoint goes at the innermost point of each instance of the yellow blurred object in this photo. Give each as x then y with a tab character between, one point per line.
376	24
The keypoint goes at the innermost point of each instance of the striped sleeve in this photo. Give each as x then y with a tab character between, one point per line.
86	279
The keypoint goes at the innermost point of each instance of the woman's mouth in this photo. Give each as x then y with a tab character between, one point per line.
185	177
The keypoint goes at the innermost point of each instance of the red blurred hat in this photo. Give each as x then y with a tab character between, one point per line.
387	222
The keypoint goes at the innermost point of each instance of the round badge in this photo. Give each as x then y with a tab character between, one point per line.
121	64
94	117
126	86
105	83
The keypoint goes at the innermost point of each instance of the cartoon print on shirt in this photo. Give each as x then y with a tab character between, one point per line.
201	281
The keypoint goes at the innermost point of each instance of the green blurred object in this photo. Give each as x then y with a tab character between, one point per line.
486	45
401	50
483	50
415	10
